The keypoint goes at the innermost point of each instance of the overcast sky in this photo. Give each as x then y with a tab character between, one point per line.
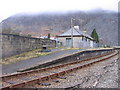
11	7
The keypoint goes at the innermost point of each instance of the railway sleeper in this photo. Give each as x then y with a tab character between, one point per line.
56	81
32	82
44	84
61	73
44	78
20	85
53	76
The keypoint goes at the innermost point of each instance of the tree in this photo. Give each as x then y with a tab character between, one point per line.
95	36
48	35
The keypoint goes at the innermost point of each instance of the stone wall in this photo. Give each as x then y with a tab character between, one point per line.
15	44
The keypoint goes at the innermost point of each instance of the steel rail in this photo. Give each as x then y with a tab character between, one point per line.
24	82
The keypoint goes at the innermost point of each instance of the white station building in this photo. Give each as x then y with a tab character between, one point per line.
76	39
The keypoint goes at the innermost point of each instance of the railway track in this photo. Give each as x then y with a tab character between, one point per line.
25	79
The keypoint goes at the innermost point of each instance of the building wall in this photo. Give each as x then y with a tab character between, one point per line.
63	40
91	44
15	44
95	44
77	42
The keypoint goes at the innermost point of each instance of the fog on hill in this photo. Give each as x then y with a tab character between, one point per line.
105	23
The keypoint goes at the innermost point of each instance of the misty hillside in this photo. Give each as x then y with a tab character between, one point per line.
104	22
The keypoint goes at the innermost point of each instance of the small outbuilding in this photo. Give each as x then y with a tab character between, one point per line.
76	38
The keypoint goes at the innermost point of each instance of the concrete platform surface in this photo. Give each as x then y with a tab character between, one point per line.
14	67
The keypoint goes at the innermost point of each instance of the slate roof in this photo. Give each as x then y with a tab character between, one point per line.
76	32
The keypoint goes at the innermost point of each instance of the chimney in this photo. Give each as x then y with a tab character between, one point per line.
76	27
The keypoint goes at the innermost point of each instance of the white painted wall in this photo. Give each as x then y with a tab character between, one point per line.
63	40
78	42
91	44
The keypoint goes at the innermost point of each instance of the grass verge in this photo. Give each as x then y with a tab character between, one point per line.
23	56
28	55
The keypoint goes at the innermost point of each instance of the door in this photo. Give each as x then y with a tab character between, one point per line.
68	42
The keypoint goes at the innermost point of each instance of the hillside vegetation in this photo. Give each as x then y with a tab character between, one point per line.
105	23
